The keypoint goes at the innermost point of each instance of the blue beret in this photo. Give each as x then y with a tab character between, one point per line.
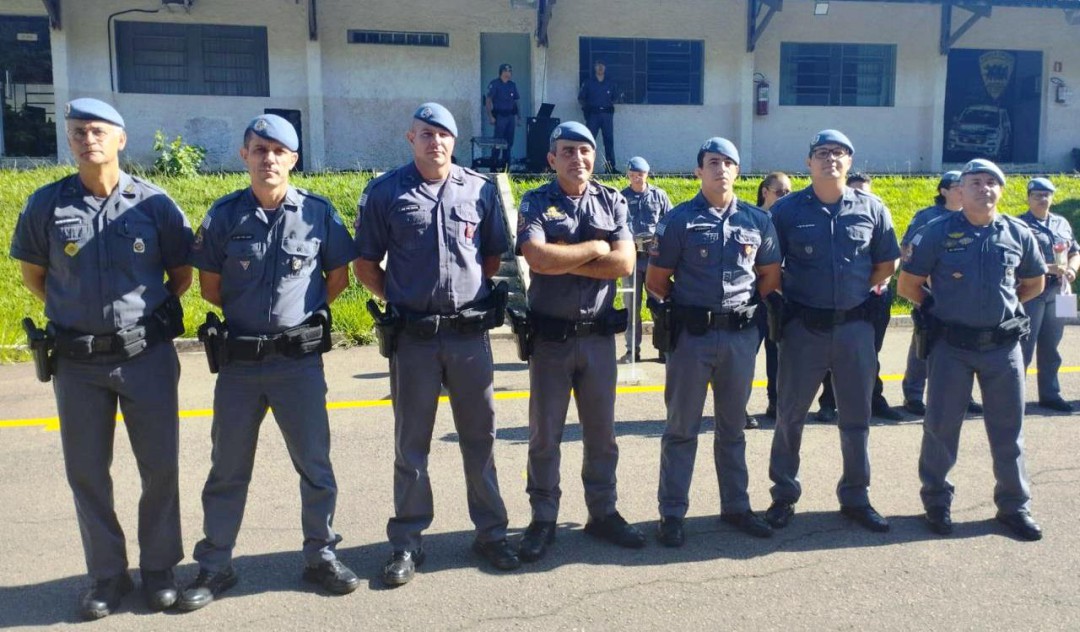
982	165
833	136
637	163
273	127
92	110
437	115
717	145
948	179
572	130
505	67
1041	184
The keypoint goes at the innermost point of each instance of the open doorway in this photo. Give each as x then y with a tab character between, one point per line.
514	49
28	126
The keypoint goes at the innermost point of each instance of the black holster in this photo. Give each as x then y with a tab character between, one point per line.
41	343
311	336
776	316
169	318
212	335
523	334
923	323
388	326
665	331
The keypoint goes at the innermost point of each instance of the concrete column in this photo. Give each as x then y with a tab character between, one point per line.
744	97
316	124
61	89
937	113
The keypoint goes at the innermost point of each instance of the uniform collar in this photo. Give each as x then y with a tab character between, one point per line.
73	187
411	175
291	202
702	205
555	191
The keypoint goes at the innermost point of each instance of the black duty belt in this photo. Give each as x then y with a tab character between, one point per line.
121	345
503	113
698	320
826	319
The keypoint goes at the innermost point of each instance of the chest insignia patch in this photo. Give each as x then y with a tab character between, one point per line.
244	263
809	250
71	249
964	241
554	213
139	246
704	252
296	264
748	250
956	235
470	231
957	275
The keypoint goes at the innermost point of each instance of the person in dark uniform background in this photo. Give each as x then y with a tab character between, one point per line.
597	97
1061	253
714	257
646	205
981	265
949	198
502	109
573	233
836	243
273	258
771	188
108	252
439	227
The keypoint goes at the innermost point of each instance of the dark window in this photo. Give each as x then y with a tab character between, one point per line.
399	38
192	59
652	71
837	74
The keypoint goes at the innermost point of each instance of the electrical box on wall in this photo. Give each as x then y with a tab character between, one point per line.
1061	92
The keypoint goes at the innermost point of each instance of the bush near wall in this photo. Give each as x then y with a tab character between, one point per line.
903	195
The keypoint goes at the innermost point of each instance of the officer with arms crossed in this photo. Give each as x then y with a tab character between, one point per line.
719	250
439	227
272	257
981	265
574	236
1062	255
502	108
947	200
646	205
108	254
836	243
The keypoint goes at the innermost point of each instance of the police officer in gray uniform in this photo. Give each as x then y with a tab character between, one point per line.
981	265
836	243
502	108
947	200
272	257
108	254
440	228
722	253
1062	255
646	204
573	233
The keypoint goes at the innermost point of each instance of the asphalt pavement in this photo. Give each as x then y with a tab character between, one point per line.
822	572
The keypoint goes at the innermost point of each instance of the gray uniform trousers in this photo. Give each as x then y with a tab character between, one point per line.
1001	380
87	394
637	282
585	364
805	355
418	370
725	359
295	389
914	383
1046	332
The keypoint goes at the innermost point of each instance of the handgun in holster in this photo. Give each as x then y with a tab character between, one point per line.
775	317
523	334
923	328
212	335
665	332
41	343
388	326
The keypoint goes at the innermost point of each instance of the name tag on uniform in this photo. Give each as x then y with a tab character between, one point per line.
242	237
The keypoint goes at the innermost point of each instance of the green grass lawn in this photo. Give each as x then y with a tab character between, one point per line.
903	195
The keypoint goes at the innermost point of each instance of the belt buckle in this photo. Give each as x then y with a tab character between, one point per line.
103	344
582	327
985	338
839	317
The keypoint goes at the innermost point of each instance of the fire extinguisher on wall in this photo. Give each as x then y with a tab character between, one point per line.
761	94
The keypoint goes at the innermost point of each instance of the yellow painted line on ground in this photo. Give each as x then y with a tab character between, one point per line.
52	424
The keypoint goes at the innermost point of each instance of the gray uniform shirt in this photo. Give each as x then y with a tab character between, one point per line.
921	218
105	260
714	251
829	253
272	264
548	215
973	270
1053	231
435	236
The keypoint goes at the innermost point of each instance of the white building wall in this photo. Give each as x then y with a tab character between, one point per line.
216	123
